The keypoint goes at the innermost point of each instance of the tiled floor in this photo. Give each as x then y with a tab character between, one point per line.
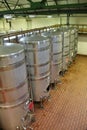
67	108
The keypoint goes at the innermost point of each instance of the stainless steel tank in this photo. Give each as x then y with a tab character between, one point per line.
65	47
38	61
75	43
72	42
13	87
56	53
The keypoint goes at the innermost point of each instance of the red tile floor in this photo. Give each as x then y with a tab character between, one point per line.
67	107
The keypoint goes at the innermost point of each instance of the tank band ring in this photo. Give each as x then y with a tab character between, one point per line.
39	65
13	88
57	53
41	49
66	55
12	55
16	104
41	78
42	74
66	46
58	63
14	101
12	66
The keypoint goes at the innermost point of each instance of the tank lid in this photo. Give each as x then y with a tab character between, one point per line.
34	38
10	50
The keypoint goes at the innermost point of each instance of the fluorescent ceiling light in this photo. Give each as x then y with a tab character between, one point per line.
31	16
49	16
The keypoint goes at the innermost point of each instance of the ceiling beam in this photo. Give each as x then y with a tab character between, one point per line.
16	4
64	9
56	2
5	1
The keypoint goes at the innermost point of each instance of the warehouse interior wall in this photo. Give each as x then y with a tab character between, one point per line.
22	23
19	24
16	24
78	20
40	22
82	45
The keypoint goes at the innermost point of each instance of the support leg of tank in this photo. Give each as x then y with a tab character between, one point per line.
24	128
62	73
49	97
55	82
59	81
74	59
52	85
41	103
17	128
69	63
33	117
30	128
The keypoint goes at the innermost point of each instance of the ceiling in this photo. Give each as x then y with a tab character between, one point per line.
42	7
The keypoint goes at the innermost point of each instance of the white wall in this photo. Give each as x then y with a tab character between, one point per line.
17	24
22	23
3	25
78	20
43	22
82	45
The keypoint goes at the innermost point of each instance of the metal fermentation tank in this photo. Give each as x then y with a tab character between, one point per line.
56	54
13	87
75	43
37	50
72	42
65	47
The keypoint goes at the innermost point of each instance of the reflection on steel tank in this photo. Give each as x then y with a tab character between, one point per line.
13	87
56	53
37	49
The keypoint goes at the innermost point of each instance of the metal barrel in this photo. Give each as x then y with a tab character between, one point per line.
65	47
56	53
38	64
72	42
13	86
75	42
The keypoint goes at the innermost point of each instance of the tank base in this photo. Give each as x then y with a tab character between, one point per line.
56	82
62	72
27	120
41	102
